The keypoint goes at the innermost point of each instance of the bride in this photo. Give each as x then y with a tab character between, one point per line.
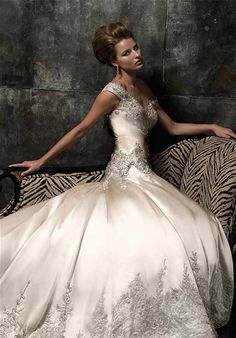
129	256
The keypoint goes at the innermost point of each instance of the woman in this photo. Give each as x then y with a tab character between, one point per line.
126	257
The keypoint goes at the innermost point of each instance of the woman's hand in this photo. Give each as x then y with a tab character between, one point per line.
223	132
31	165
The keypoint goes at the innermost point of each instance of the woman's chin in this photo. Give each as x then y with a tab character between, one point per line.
139	65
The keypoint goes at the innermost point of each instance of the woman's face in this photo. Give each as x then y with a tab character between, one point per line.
128	55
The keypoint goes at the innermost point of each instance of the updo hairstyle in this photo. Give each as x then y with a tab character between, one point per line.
106	37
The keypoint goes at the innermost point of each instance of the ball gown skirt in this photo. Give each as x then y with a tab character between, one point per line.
129	256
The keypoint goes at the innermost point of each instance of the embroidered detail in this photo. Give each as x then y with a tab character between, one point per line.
217	305
99	322
162	312
116	89
54	325
10	323
136	115
178	313
131	110
121	162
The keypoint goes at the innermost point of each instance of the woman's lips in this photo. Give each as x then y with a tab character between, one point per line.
139	62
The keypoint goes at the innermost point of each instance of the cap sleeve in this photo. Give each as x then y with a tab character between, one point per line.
116	89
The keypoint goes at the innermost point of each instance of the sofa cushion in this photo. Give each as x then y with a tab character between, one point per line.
170	163
209	178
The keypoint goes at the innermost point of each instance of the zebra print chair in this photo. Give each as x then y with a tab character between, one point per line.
205	170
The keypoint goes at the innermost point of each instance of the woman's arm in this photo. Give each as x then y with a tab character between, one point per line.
103	105
175	128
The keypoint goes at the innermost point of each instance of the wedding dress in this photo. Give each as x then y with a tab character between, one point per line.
129	256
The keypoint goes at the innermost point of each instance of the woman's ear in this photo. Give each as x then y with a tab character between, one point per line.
113	63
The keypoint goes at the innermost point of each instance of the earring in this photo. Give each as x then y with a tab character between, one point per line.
117	70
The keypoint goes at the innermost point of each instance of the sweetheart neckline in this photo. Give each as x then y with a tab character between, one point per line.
133	98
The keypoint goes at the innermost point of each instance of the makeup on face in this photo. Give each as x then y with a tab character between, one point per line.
128	51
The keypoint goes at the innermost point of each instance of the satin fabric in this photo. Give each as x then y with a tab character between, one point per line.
130	256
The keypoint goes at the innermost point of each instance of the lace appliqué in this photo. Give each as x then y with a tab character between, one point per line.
181	312
10	322
56	328
164	314
218	306
121	163
51	328
115	89
132	111
136	115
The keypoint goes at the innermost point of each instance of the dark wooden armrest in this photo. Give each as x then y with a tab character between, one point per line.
15	178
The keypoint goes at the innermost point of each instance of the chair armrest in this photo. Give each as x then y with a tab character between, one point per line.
9	199
46	183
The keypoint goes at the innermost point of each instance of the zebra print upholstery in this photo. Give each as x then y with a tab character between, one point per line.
203	169
170	163
39	187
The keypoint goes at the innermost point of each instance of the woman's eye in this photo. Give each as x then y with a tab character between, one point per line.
136	47
126	53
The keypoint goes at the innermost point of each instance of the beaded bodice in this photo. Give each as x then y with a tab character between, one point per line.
130	123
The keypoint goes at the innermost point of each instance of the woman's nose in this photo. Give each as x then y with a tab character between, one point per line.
136	52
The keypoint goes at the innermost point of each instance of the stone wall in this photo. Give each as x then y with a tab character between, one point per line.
49	76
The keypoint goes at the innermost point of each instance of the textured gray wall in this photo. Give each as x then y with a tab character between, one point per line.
49	76
199	64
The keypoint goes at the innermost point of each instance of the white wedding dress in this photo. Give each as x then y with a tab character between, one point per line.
130	256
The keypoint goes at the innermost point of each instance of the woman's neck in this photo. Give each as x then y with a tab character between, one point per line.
129	79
